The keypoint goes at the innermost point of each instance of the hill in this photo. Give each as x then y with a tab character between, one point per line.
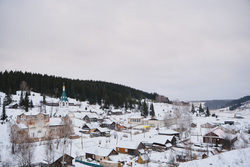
100	92
237	103
216	104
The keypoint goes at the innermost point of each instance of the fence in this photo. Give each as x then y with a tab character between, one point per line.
87	163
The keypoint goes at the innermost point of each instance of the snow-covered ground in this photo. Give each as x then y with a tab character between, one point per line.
237	157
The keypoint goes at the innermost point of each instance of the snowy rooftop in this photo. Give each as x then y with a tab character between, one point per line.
128	144
160	139
55	121
168	131
22	126
92	125
103	129
98	151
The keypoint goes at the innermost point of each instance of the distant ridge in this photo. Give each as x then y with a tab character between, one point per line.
216	104
237	103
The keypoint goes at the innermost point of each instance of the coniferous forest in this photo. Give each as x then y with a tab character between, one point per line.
94	91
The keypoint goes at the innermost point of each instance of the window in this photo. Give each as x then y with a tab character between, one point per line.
126	150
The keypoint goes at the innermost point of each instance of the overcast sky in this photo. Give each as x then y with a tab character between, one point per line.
185	49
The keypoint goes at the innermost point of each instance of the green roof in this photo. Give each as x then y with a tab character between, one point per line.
63	97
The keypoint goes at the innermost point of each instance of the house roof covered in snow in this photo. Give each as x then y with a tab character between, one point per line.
160	139
55	122
98	151
128	144
92	125
103	129
22	126
168	132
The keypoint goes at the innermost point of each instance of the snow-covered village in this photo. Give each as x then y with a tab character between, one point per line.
124	83
67	132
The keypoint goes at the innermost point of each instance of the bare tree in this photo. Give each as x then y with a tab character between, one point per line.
184	120
50	151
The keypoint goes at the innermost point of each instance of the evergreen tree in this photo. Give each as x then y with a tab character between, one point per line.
31	104
3	116
21	102
144	109
44	100
193	109
26	102
207	112
201	109
152	110
7	99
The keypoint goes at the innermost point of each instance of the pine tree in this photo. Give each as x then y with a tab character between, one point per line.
152	110
207	112
7	99
145	109
21	102
31	104
26	102
44	100
3	116
192	109
201	109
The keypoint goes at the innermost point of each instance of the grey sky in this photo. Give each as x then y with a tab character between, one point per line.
183	49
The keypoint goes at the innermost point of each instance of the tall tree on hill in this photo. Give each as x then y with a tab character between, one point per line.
207	112
26	102
193	109
7	99
201	110
152	110
3	116
21	102
145	109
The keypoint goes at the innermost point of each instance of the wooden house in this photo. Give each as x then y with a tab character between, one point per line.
60	161
129	147
169	132
115	112
89	128
90	118
162	140
103	131
99	153
108	124
208	125
218	136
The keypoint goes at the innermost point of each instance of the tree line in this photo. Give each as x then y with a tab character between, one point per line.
96	92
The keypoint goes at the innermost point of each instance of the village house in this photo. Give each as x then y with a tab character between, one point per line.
229	128
90	118
108	124
130	147
60	161
115	112
102	132
218	136
39	126
99	153
89	128
208	125
135	120
153	122
169	132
